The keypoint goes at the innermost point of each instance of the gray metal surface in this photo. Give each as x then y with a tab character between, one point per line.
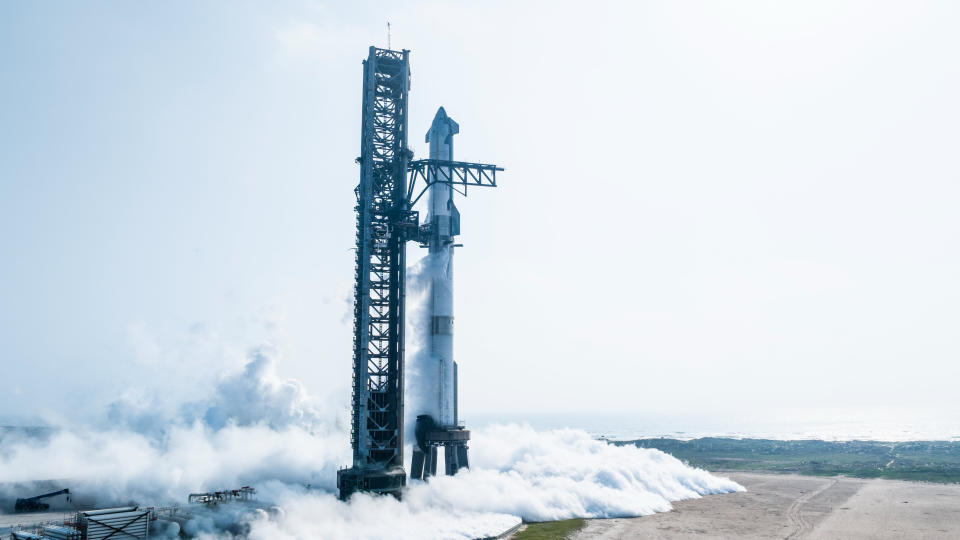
115	523
58	532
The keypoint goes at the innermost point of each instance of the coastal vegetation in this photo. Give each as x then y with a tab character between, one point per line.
550	530
930	461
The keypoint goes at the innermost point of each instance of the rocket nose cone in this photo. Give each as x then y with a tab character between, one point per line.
442	122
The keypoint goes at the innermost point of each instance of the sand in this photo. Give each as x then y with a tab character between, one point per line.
791	506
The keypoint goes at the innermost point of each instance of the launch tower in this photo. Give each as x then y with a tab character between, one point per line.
385	222
377	420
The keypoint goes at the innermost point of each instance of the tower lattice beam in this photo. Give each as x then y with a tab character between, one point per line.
377	412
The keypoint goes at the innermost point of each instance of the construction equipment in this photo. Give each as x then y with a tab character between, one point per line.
36	504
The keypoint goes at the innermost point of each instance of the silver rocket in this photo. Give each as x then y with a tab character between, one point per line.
438	423
443	220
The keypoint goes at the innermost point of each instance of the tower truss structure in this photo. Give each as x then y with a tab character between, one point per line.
377	418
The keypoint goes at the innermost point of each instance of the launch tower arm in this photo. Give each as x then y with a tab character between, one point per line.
455	173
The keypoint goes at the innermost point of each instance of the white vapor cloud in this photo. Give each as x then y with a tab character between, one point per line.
256	428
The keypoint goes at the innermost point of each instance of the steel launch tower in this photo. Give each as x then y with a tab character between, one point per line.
385	222
377	421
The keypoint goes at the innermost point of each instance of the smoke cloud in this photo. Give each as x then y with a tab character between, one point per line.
257	429
421	382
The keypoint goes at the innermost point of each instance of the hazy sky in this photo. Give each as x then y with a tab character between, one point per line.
736	208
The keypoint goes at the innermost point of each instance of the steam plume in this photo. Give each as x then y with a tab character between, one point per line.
256	428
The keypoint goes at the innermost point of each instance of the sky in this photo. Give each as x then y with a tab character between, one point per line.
743	210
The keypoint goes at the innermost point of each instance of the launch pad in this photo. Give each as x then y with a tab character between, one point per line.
430	437
385	222
354	479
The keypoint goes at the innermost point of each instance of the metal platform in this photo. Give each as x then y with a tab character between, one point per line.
430	437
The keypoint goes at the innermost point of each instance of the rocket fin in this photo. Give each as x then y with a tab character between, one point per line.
454	220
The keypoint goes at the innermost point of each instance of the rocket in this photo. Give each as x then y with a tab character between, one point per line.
443	222
437	422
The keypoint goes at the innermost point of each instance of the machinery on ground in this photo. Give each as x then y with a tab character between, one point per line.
211	498
36	504
132	522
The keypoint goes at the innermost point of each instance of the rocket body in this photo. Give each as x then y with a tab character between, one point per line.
444	221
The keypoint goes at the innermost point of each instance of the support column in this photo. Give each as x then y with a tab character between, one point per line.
416	468
450	460
433	461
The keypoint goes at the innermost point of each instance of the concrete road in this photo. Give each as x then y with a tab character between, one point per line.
791	506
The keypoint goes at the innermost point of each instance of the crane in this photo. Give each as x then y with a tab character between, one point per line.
36	504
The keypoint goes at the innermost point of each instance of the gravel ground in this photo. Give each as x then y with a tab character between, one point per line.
791	506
